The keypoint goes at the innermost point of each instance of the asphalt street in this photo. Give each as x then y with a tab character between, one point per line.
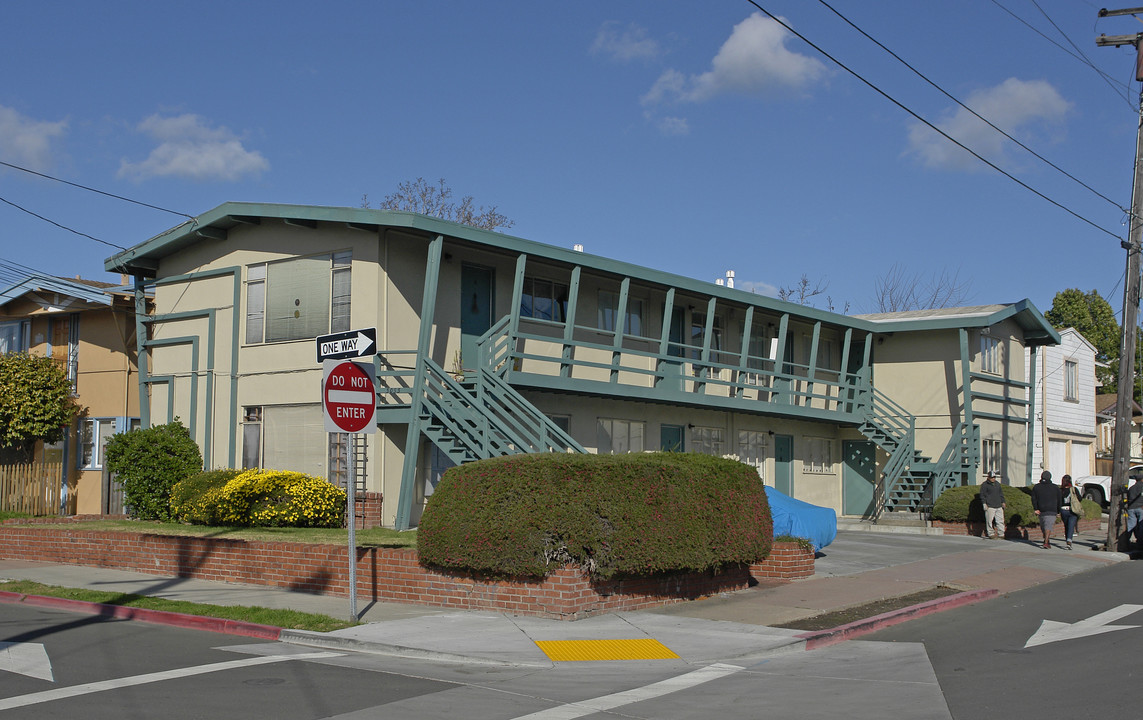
987	669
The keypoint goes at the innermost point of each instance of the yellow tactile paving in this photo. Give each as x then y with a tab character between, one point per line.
580	650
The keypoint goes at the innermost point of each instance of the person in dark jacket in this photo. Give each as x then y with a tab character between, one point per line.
992	498
1135	510
1046	499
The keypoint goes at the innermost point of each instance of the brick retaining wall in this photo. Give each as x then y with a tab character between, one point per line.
391	574
976	529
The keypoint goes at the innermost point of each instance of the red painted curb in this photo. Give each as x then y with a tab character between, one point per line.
841	633
158	617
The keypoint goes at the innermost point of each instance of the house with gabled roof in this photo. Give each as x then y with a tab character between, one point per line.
1064	428
88	326
489	344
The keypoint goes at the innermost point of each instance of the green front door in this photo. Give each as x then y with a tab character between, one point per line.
858	477
784	464
671	438
475	311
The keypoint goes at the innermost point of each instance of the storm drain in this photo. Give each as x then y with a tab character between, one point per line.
581	650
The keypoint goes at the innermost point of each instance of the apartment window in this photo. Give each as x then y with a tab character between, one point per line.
14	336
990	456
609	309
825	359
708	440
698	332
251	437
819	455
752	450
340	460
64	347
298	299
93	436
989	354
619	436
1071	380
544	300
563	422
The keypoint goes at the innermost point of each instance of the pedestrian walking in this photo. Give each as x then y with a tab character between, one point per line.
1071	508
992	498
1046	500
1135	510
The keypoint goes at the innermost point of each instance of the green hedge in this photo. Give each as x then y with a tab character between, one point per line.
962	504
148	462
195	500
636	514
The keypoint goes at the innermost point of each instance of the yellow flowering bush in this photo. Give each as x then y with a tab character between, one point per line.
279	498
195	499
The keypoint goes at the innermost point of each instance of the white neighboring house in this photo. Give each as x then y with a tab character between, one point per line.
1105	427
1064	430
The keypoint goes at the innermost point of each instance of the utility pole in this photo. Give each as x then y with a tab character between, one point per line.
1124	405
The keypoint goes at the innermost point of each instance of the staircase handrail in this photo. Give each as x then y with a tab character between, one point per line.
957	457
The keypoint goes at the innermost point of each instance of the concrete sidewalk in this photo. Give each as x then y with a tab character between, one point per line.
858	568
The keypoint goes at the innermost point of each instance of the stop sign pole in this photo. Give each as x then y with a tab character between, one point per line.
349	402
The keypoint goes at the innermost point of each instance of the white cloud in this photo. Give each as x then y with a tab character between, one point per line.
1019	107
757	287
631	43
753	60
190	148
673	126
27	142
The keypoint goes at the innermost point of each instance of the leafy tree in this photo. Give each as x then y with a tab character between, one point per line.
149	462
35	403
424	198
1093	317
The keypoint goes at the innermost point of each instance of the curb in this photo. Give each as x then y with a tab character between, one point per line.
841	633
158	617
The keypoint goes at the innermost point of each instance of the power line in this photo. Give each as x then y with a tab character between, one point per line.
1111	82
94	190
62	227
931	126
986	121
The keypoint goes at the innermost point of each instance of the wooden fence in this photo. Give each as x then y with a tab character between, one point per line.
31	488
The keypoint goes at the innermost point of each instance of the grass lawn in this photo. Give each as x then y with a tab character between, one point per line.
291	619
373	537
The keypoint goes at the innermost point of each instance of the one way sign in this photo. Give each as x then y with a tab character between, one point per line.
350	344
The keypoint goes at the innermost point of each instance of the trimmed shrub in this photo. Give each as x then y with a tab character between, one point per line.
148	462
280	498
195	500
962	504
636	514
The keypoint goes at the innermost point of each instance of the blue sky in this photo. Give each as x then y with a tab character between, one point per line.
693	138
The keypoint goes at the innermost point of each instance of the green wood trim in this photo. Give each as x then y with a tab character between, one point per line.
999	379
744	355
413	439
568	349
999	398
191	340
140	351
518	293
965	378
996	416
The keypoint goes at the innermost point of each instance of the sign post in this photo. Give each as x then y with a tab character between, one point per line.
349	402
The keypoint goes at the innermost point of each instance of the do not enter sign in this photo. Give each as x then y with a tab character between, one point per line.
348	396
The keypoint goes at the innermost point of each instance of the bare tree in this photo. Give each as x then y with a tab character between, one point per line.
899	290
803	291
420	196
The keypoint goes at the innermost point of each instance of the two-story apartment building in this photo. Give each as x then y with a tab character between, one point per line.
89	327
490	344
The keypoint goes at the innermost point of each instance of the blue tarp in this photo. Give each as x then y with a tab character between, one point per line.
801	520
